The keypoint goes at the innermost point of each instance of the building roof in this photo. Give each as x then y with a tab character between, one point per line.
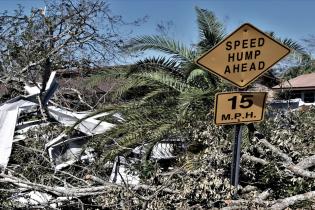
302	82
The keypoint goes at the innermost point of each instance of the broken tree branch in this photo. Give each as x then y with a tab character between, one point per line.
254	159
307	162
300	171
276	151
286	202
80	97
75	191
259	199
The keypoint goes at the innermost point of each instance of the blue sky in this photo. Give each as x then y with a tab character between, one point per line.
287	18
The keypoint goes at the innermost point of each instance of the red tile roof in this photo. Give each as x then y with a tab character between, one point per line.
302	82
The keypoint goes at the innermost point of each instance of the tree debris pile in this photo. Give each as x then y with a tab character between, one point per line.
276	171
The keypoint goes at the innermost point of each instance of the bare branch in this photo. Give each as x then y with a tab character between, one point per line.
276	151
80	97
286	202
300	171
307	162
254	159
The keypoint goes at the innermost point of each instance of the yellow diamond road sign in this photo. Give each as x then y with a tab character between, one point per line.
243	56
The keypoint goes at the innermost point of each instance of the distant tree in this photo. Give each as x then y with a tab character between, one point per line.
310	43
304	68
307	63
64	34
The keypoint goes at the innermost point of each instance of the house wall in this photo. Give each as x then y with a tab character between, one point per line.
307	96
293	99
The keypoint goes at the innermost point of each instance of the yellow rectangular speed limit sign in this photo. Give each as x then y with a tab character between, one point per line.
239	107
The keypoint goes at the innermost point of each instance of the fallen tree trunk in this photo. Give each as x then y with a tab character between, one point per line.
77	191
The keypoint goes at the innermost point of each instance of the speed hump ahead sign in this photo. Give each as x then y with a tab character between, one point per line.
243	56
239	107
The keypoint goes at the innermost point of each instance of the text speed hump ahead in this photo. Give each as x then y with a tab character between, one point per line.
243	56
239	107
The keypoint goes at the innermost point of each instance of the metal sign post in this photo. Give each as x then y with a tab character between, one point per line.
235	171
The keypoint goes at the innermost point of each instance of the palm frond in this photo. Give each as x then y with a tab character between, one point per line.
150	132
292	44
145	124
95	79
298	49
156	64
166	80
162	44
155	94
150	84
195	103
197	73
202	79
211	30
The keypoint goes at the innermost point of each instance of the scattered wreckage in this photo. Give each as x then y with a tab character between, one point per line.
64	150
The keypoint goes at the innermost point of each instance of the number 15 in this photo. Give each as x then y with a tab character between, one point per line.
246	101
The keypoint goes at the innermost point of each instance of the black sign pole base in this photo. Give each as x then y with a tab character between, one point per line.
235	172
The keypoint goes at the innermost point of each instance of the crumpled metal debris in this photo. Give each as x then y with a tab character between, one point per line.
10	112
121	173
89	126
65	150
36	198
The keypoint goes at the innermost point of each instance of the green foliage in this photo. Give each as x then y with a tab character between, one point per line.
161	43
293	45
211	30
307	68
293	131
156	64
202	79
156	105
182	58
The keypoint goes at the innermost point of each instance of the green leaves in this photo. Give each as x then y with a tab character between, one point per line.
166	80
211	30
298	50
170	65
197	73
163	44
